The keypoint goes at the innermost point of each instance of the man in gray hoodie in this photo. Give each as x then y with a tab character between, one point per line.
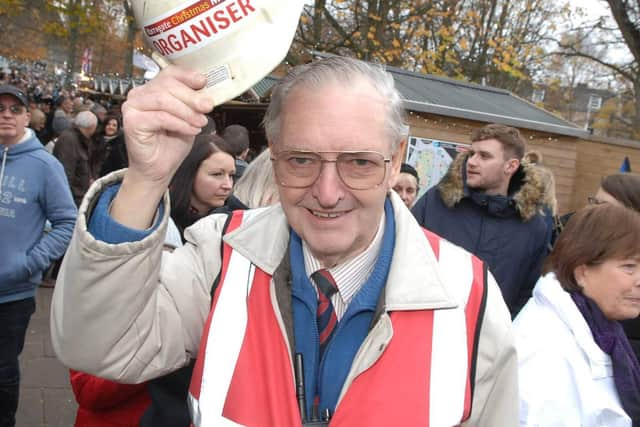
33	189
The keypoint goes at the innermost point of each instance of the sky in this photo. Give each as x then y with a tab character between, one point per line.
593	8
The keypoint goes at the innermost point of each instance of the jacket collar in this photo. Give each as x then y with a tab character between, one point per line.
526	191
413	283
549	293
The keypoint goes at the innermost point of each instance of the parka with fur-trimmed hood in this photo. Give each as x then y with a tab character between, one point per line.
508	232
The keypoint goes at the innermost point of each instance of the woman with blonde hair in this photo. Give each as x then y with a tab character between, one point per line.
257	186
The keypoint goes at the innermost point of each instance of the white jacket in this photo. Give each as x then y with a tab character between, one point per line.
565	378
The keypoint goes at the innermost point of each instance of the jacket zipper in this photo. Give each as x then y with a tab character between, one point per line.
4	161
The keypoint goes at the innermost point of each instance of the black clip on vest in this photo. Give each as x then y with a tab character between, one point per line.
314	421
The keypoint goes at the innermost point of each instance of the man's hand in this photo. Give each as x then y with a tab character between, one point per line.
160	121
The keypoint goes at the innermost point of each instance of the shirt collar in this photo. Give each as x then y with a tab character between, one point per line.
349	275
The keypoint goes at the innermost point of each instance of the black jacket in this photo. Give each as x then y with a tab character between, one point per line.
114	156
509	232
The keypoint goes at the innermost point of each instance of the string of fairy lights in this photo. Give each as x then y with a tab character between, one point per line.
448	124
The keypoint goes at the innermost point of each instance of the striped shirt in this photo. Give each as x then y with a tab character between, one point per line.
350	275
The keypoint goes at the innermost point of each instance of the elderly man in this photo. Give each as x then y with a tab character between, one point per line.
73	149
33	189
385	324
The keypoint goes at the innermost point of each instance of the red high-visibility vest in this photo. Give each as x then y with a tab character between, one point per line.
422	375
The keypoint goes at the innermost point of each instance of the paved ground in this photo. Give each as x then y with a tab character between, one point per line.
46	399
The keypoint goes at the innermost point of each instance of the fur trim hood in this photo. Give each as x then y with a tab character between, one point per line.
527	194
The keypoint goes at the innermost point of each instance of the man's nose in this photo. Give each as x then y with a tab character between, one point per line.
472	160
328	188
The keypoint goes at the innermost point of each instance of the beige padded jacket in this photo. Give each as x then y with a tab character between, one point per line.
131	312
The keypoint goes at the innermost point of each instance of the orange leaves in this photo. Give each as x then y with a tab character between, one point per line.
11	7
496	39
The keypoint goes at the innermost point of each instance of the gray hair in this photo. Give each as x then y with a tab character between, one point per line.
344	71
85	120
257	186
97	108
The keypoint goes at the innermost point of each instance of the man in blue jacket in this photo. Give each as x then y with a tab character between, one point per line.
490	204
33	189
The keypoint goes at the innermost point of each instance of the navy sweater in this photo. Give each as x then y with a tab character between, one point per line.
326	377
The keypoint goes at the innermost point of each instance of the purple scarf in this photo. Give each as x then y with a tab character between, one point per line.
610	337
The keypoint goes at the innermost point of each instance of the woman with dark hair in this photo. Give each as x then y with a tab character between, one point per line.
576	367
622	189
111	143
202	183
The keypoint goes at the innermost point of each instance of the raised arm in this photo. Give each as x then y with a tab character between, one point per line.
160	121
122	309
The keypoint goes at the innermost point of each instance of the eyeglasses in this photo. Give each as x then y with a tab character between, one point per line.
358	170
595	201
15	109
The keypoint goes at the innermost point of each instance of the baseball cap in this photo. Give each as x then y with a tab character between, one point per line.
17	93
234	43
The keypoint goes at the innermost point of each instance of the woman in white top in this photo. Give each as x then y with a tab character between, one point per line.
576	365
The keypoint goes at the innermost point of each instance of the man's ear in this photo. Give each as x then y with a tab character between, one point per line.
511	166
397	158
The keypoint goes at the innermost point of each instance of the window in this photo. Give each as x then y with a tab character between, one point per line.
537	96
595	102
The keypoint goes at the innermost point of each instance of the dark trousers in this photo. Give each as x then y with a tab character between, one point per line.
14	319
169	395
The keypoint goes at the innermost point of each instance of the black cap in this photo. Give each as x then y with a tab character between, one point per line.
14	91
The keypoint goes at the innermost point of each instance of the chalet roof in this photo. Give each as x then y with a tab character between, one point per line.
263	87
455	98
448	97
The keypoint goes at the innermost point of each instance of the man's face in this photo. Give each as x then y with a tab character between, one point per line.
407	188
336	222
487	168
12	124
67	105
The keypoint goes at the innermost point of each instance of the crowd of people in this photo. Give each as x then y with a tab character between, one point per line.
311	284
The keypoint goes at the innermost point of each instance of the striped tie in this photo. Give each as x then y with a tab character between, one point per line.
326	314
